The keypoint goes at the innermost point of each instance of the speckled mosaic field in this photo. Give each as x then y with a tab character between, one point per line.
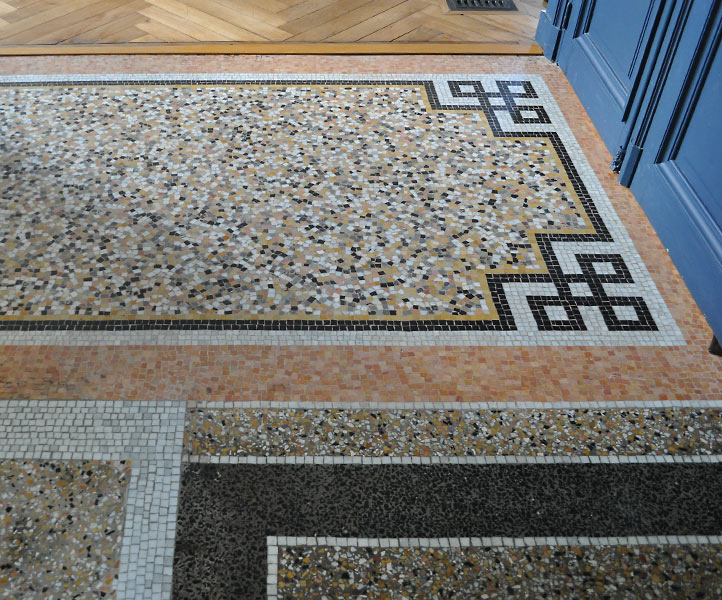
324	201
433	210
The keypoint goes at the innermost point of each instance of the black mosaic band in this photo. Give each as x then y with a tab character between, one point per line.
227	511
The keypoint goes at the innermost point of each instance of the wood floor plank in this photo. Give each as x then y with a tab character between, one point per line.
27	10
191	29
241	19
306	7
265	11
398	28
40	24
5	8
325	16
219	26
163	32
94	16
47	22
388	13
108	31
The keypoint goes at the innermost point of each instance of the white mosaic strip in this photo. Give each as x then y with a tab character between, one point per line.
149	435
491	542
527	334
275	543
463	406
457	460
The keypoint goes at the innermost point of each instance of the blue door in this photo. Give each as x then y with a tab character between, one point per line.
678	176
603	47
649	74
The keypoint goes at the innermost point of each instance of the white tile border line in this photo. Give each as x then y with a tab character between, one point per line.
149	435
506	459
459	406
668	334
275	542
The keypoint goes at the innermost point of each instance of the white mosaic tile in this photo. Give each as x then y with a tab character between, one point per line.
149	435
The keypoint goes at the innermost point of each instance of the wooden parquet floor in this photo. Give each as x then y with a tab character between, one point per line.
35	22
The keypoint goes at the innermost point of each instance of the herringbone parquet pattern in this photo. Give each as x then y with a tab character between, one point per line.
125	21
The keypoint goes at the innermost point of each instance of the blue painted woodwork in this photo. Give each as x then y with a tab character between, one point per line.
549	30
649	74
678	178
602	52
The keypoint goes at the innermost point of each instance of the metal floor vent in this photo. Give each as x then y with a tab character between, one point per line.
461	5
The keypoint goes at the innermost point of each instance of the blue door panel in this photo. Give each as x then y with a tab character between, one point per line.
690	249
601	52
549	28
678	180
614	31
698	156
649	74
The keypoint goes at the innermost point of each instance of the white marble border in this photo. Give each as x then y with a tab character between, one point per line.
668	334
508	459
275	543
149	435
462	406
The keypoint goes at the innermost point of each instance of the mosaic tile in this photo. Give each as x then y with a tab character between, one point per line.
228	512
60	526
466	222
426	432
543	572
69	434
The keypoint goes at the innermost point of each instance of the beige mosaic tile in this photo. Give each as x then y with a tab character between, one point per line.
61	524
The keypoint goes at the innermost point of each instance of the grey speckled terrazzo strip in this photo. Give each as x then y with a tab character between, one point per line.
228	512
463	435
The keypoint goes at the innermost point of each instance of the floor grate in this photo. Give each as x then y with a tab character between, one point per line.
462	5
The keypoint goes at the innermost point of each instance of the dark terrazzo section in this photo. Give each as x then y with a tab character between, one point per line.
344	432
317	573
227	511
60	528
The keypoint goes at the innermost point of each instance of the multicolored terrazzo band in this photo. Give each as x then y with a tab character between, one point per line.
495	571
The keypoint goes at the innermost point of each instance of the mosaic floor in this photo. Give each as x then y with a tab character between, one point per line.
334	210
363	334
423	500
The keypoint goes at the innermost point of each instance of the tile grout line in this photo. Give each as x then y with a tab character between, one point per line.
641	459
459	406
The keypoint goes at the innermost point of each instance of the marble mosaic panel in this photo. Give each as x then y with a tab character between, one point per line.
239	431
345	500
333	209
80	438
645	571
60	527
